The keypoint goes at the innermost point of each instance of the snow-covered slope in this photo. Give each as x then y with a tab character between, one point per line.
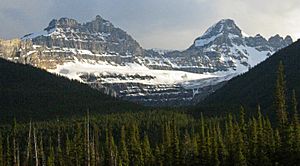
223	47
107	58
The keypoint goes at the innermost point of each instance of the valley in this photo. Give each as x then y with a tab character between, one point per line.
108	59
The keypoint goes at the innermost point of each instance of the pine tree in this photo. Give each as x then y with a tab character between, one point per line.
215	148
186	149
243	125
123	148
8	152
229	128
158	156
147	152
28	150
253	142
223	151
166	150
42	153
261	154
51	157
134	148
175	145
1	150
202	143
295	125
14	141
280	98
239	148
110	148
35	148
78	150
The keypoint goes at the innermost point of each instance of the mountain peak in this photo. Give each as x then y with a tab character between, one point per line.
226	21
63	22
225	27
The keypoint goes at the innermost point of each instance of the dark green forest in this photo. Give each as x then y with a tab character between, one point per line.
160	138
257	85
28	93
153	138
63	122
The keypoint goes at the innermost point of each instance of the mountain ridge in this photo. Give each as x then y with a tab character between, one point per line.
30	93
257	87
105	57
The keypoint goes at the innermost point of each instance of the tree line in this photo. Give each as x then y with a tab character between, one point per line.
159	138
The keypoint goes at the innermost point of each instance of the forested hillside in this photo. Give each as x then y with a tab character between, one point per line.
160	138
257	87
153	138
30	93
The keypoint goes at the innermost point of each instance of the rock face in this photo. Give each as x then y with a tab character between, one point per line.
13	49
107	58
98	36
224	47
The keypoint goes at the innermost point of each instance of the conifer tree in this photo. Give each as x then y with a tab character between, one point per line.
123	148
202	142
147	152
195	151
8	151
28	149
295	119
243	126
51	157
35	148
186	149
1	150
223	151
167	149
42	153
175	145
280	98
295	128
14	141
215	148
134	148
239	148
158	156
253	142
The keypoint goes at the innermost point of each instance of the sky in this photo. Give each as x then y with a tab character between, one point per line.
166	24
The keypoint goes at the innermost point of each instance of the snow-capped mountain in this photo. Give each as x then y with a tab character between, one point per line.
225	47
98	36
107	58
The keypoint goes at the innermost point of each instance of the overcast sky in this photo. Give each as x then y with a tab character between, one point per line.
169	24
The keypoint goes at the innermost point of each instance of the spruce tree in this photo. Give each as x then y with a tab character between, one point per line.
158	156
147	152
1	150
134	147
280	97
239	148
51	157
123	148
215	148
175	145
295	128
186	149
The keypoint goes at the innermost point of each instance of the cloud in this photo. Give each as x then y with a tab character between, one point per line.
172	24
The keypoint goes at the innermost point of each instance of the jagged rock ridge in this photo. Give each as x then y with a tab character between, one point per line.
107	58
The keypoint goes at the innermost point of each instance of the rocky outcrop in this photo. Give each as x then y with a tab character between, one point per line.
101	50
277	42
224	47
98	36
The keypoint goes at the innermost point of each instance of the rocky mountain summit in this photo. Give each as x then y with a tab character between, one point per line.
225	47
98	36
107	58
